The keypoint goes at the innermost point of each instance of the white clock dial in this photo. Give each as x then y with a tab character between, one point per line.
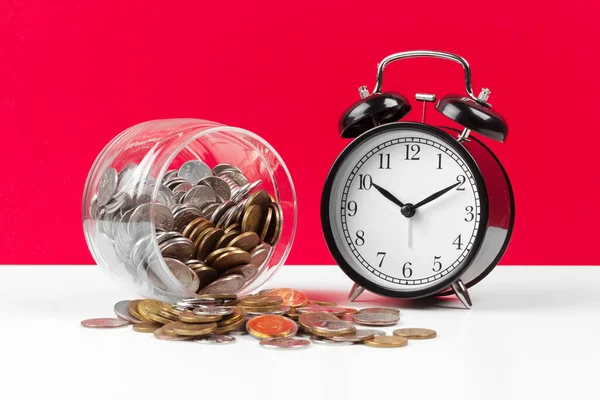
404	167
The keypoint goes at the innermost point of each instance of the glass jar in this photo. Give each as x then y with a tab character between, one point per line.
135	225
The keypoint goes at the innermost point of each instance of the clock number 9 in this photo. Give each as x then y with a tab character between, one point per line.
352	208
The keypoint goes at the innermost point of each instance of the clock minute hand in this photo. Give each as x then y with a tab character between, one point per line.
388	195
435	195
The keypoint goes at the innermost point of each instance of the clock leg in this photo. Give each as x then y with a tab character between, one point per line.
460	290
355	292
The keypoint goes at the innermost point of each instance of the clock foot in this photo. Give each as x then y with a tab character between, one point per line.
355	292
460	290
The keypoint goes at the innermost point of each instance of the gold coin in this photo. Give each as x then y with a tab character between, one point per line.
261	309
230	327
146	327
206	275
252	219
266	224
245	241
149	310
191	226
210	259
201	237
191	318
309	319
184	329
168	315
233	227
162	335
238	315
168	329
133	310
274	231
201	227
209	242
231	259
226	238
386	341
261	301
260	198
415	333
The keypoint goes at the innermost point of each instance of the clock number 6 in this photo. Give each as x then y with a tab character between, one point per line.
406	270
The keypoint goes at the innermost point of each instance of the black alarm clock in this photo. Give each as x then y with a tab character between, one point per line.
411	210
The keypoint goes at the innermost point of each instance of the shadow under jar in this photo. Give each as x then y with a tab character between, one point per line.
177	207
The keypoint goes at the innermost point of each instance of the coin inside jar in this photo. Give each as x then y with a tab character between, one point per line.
227	284
245	241
231	259
251	221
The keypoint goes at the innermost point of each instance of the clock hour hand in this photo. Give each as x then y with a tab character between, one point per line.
435	195
388	195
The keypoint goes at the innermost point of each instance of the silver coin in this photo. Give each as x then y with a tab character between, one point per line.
220	211
379	310
373	319
180	249
259	313
165	196
358	336
107	186
322	340
207	301
163	217
173	183
235	176
121	201
182	187
138	219
122	311
193	171
285	343
184	216
200	195
333	327
238	211
213	310
218	169
169	175
162	237
221	188
248	271
183	274
216	339
225	220
227	284
260	254
209	209
126	175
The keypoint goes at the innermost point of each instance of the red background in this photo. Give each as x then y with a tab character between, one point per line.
74	74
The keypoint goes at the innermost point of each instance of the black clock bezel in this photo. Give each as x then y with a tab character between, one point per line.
328	230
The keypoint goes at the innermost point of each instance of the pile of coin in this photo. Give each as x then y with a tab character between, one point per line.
215	229
277	317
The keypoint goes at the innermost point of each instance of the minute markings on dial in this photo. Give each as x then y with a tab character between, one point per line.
434	263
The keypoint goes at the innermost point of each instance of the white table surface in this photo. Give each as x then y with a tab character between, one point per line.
533	333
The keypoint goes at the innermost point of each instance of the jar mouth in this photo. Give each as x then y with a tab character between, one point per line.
157	149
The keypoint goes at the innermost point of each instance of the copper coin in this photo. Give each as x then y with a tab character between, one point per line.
219	252
160	334
191	226
416	333
147	327
252	219
184	217
104	323
372	319
209	242
285	343
271	326
321	303
233	227
226	238
379	310
245	241
248	271
206	275
231	259
266	224
201	237
291	297
226	284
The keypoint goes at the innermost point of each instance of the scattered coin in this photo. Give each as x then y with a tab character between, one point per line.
337	311
185	329
122	311
379	310
146	327
308	320
386	341
104	323
271	326
372	319
416	333
216	339
358	336
327	341
291	297
333	328
160	334
285	343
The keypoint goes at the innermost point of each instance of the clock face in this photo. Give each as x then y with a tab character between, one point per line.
404	209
